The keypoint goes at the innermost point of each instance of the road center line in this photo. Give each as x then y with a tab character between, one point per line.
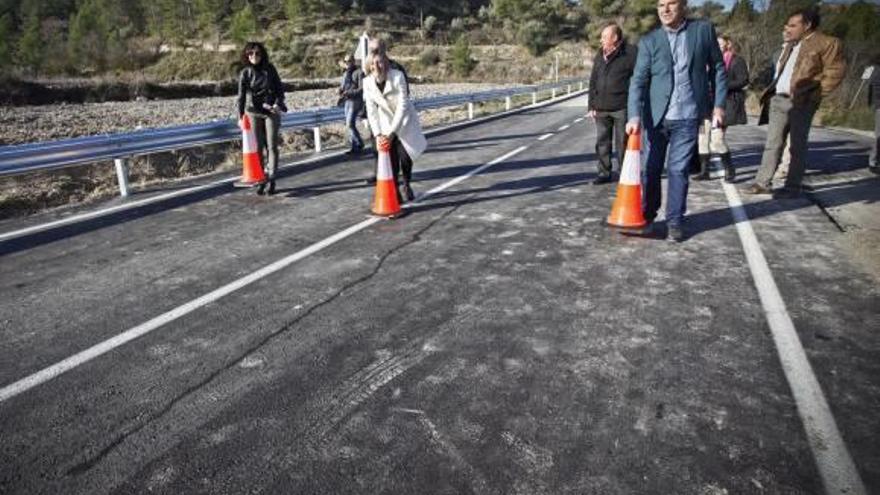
545	136
108	345
566	126
578	120
839	473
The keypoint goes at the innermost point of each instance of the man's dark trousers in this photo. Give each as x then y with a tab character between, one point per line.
678	138
608	124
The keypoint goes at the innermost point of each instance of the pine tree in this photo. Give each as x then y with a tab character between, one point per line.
460	57
5	40
30	45
243	25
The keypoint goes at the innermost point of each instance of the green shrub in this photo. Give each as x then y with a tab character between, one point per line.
429	57
534	35
861	117
460	57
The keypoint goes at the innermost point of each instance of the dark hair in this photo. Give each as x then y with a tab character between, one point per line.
616	27
809	16
253	46
733	44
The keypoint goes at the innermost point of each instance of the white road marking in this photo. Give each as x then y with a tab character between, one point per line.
839	473
578	120
108	345
545	136
106	211
142	202
566	126
473	172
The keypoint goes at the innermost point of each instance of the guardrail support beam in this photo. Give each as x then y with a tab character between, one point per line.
580	86
317	133
534	97
553	94
508	103
568	89
122	175
470	111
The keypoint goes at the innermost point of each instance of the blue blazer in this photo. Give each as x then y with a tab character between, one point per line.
650	87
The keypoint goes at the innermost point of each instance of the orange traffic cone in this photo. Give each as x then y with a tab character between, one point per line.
627	209
385	201
252	172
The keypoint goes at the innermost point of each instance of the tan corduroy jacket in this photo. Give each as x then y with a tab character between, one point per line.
818	71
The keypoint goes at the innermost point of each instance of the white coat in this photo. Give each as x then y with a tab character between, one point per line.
392	112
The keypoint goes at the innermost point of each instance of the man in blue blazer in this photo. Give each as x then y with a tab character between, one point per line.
678	67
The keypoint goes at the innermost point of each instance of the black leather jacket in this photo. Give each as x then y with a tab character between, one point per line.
259	85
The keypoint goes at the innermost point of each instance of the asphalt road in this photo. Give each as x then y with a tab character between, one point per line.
498	339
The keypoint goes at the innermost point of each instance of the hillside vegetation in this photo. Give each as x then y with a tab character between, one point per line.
522	41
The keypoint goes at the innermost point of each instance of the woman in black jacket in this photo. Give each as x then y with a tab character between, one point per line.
261	96
715	140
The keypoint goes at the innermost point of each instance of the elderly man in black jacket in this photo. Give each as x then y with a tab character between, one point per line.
609	85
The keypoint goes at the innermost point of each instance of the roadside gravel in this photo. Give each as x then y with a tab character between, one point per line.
28	124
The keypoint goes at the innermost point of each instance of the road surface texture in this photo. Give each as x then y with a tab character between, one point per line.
499	339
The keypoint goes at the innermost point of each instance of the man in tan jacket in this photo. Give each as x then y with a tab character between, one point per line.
810	67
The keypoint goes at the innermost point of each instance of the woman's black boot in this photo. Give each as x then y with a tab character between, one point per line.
261	189
704	168
271	187
729	171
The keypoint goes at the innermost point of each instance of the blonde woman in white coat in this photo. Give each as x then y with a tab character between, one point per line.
393	118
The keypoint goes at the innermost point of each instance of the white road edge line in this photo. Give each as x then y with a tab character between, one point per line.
141	202
545	136
82	357
838	471
563	128
106	211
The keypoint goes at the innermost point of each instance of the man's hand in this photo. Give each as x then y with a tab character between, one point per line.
717	117
634	125
591	114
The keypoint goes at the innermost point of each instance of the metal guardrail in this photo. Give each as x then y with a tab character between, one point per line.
120	147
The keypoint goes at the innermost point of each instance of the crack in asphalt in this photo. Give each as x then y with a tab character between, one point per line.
86	465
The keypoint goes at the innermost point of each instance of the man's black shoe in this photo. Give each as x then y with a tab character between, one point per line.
786	193
875	169
675	233
602	179
370	180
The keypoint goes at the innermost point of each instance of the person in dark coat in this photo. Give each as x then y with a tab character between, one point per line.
261	96
606	105
351	98
714	139
874	101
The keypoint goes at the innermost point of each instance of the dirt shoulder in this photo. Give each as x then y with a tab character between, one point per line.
29	124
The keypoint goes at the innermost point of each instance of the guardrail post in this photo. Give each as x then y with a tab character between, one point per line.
470	111
122	175
581	86
508	104
568	89
534	97
553	94
317	132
